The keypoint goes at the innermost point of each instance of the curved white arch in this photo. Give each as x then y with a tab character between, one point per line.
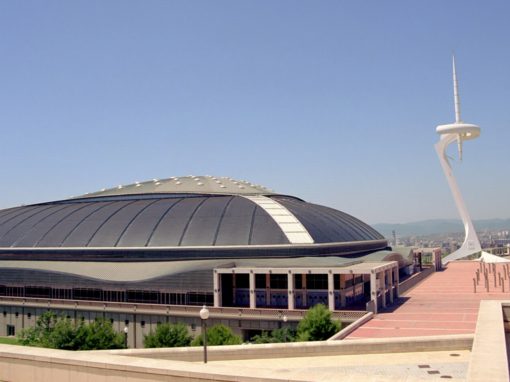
295	232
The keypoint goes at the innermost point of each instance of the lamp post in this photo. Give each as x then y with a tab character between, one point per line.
126	336
284	318
204	315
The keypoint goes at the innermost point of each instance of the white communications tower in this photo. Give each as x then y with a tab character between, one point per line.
458	131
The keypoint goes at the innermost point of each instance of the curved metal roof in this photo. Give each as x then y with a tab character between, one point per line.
163	221
184	220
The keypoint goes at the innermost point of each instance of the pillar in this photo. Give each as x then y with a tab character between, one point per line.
216	287
253	296
373	290
304	289
396	281
383	292
290	290
331	291
390	284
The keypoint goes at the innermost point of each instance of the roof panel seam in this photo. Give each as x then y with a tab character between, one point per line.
254	213
106	221
221	220
189	220
161	219
22	221
82	220
56	224
131	222
35	224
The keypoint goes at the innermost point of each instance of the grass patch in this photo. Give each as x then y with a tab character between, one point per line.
9	341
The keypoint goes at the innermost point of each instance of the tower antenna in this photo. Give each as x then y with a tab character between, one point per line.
456	98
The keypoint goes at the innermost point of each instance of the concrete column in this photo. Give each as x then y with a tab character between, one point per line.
396	282
216	287
268	289
373	290
253	301
390	284
331	292
383	292
305	291
342	290
290	291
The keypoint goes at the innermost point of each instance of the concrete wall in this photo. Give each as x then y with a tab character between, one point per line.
304	349
139	324
414	280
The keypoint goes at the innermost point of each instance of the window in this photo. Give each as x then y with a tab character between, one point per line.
336	281
87	294
200	298
11	330
278	281
143	296
37	291
316	281
260	281
298	281
242	280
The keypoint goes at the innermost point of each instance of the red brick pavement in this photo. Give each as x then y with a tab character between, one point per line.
444	303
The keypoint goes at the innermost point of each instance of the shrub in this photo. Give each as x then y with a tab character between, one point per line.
56	332
317	325
168	335
218	335
99	335
275	336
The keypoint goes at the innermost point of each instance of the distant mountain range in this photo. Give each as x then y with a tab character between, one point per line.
437	226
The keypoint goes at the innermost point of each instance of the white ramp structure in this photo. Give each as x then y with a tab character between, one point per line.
459	132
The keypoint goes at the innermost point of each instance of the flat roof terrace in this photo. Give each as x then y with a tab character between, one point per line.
444	303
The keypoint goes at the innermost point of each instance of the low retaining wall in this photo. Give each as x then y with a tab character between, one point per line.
411	282
489	360
352	327
306	349
26	364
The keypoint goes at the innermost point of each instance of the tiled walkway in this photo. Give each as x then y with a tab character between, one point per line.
444	303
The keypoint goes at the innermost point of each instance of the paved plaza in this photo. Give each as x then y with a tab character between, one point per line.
444	303
430	366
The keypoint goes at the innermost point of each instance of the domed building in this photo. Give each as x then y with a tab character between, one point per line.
190	240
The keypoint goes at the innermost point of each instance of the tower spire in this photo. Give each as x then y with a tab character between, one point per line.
456	98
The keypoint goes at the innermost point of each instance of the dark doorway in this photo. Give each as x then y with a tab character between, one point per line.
226	290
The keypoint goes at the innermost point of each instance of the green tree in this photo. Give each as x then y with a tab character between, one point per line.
39	334
218	335
168	336
317	325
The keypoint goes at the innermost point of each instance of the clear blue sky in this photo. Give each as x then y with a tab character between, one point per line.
332	101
